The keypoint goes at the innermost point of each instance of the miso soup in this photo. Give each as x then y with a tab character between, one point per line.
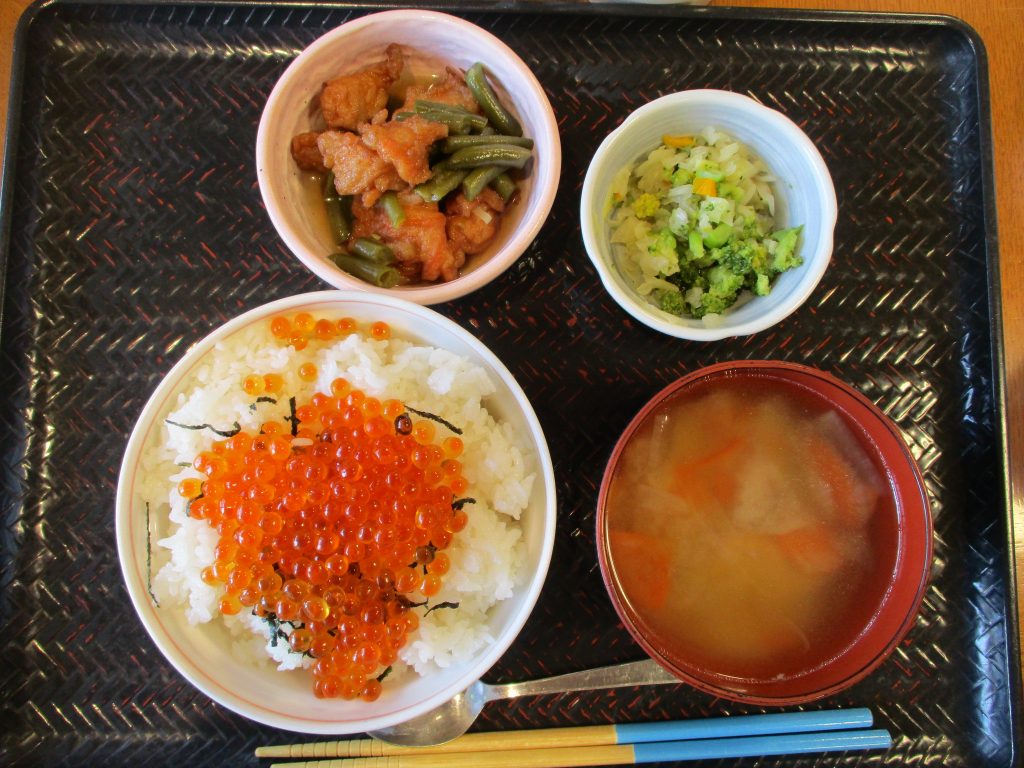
750	528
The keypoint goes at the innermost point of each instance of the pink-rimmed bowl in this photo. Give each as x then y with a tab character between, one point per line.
911	540
429	35
203	654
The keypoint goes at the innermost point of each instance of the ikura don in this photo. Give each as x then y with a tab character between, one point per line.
331	521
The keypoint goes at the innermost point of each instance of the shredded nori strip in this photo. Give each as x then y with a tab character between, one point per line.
460	503
262	399
149	562
276	633
438	419
445	604
292	417
235	428
384	674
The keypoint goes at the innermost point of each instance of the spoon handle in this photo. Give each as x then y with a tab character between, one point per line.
646	672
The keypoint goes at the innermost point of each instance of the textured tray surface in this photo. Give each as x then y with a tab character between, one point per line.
137	227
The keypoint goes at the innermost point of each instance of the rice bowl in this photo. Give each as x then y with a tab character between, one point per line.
498	561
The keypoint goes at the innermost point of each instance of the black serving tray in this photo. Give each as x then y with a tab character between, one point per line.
132	226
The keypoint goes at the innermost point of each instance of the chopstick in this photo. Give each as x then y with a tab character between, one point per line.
591	735
625	754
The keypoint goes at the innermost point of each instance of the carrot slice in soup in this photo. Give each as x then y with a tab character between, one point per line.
710	479
641	563
838	476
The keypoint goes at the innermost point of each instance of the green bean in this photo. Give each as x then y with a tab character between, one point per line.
339	210
476	122
423	105
457	123
479	178
504	155
372	250
440	184
485	96
455	143
393	208
382	275
504	186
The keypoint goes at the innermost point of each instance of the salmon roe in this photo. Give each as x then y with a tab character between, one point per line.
331	521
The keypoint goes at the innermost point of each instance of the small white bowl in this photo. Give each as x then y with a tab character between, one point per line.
432	35
803	195
202	653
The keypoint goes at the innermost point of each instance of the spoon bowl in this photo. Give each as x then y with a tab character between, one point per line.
455	716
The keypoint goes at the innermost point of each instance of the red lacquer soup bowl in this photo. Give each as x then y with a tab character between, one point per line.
764	532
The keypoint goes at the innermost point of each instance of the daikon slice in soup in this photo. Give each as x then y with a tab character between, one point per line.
750	528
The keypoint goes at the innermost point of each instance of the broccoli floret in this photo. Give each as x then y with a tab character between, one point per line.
723	281
712	304
744	257
785	256
672	302
689	275
762	285
736	257
723	285
645	206
663	246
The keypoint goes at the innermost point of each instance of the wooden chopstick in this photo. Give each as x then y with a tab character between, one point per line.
582	736
624	754
590	735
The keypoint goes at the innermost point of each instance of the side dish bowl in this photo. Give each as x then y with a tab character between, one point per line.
804	195
436	37
877	610
203	653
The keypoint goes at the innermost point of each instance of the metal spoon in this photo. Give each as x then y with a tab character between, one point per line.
453	718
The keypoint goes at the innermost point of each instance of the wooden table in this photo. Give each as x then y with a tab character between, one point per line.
1000	24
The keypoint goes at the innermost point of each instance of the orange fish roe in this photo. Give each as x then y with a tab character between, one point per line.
302	328
332	525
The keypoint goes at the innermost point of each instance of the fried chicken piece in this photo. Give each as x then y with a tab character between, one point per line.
450	89
405	144
420	241
306	153
472	224
358	170
350	100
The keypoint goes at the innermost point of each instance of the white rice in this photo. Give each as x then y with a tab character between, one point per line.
486	557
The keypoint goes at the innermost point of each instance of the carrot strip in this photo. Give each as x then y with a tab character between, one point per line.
837	475
711	478
670	140
705	187
641	563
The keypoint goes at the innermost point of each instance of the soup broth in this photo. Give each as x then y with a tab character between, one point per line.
749	529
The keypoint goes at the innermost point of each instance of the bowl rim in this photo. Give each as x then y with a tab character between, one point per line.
136	582
814	267
547	167
919	503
